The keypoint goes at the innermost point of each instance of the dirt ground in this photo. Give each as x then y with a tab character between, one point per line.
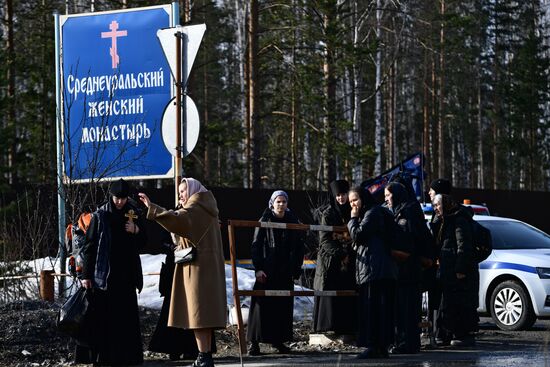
28	336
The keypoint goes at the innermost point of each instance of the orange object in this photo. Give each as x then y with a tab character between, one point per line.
466	202
84	221
68	232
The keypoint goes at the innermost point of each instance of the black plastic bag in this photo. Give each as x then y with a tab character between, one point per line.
75	315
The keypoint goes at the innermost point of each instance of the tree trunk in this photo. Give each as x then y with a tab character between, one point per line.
294	111
186	11
205	118
329	173
242	114
254	124
10	123
480	163
496	109
434	148
441	117
357	174
379	126
426	143
357	169
392	118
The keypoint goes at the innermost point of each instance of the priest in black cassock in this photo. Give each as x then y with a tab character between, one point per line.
112	268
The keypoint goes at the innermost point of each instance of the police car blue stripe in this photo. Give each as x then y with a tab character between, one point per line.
511	266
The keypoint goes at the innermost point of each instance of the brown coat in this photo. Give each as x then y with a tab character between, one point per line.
198	291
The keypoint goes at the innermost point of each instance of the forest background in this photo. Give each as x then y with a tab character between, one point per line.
295	93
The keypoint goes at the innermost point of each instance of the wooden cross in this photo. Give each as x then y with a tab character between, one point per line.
130	215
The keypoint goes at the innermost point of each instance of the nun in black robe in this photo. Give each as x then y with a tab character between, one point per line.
277	255
335	267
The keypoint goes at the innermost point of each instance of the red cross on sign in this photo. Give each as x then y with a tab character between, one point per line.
113	34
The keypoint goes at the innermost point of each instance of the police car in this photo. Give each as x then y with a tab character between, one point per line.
514	281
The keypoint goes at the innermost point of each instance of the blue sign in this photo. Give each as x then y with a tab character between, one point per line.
116	84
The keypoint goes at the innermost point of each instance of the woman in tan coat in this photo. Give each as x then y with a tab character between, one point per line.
198	291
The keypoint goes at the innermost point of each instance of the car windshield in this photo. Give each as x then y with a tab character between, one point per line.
516	235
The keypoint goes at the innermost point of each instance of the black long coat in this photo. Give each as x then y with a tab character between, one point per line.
279	253
117	328
335	270
375	273
460	296
373	261
410	221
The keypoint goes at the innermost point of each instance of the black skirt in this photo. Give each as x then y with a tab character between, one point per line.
376	319
270	318
337	314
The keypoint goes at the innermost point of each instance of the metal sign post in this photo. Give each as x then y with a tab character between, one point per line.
181	111
178	149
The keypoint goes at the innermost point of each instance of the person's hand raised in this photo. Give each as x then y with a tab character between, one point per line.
144	199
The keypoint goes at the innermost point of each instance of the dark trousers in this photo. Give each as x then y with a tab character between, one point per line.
376	322
408	312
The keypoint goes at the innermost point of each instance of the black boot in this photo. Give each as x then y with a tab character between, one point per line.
254	349
204	360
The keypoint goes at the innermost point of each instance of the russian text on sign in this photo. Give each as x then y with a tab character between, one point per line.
135	132
102	83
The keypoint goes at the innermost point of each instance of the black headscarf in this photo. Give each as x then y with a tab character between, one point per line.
340	187
407	183
367	200
400	196
441	186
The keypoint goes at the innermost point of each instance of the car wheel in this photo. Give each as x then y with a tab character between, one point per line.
511	307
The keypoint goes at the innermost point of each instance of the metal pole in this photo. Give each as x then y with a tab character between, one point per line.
177	160
185	42
178	112
62	256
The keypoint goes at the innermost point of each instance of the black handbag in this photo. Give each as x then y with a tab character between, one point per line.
74	316
185	255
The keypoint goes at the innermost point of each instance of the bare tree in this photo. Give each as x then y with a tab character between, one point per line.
441	112
253	146
10	118
378	109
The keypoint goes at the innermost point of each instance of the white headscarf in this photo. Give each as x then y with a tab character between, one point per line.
274	196
193	186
